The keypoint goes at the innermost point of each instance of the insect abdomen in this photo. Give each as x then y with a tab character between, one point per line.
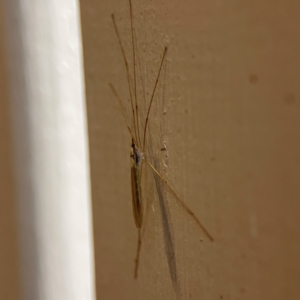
136	190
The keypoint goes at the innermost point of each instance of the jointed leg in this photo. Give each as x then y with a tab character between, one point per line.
188	210
138	250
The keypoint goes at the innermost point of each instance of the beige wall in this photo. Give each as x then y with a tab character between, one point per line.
228	107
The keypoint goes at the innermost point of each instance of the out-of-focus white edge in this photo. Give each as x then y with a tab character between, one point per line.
51	149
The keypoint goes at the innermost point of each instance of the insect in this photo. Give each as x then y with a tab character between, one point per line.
139	137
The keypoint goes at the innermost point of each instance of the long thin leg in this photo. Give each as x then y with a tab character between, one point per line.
121	107
138	250
152	96
188	210
134	72
135	125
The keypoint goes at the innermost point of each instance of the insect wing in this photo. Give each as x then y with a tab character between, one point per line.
136	190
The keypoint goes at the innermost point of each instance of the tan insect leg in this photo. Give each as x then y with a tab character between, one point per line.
138	250
188	210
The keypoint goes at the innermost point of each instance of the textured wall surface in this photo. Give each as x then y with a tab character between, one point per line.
227	110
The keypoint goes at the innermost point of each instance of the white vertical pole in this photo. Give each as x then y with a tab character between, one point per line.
50	134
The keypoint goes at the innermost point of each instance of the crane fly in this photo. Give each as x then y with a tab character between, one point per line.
138	139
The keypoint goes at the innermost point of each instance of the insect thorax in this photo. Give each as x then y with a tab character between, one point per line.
136	155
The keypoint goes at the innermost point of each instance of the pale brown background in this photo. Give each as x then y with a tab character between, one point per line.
228	108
